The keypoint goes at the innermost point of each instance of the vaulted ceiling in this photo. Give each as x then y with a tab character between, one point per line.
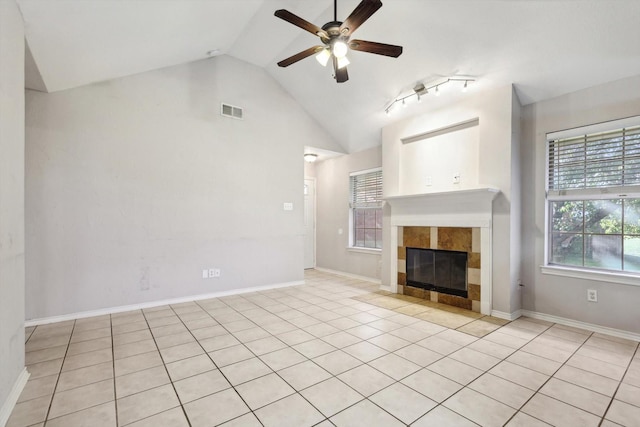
544	47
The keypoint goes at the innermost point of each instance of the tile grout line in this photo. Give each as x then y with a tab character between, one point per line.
164	365
518	410
149	328
212	361
613	397
484	372
64	359
335	376
367	398
276	372
258	305
538	391
113	365
326	418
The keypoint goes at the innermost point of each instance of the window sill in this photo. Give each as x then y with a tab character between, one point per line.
370	251
599	276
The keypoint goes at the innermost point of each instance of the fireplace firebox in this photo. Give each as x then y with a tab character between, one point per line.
438	270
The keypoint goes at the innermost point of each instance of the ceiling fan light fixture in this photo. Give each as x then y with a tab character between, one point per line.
323	57
343	62
340	49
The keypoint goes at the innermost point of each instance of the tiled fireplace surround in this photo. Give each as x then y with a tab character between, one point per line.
463	239
459	220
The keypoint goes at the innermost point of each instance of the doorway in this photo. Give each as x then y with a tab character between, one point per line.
309	223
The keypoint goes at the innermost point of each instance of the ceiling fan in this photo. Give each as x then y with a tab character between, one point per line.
335	36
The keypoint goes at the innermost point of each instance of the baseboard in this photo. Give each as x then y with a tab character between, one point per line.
352	276
506	316
12	399
120	309
583	325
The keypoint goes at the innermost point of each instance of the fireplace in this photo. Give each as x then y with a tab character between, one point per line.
459	220
437	270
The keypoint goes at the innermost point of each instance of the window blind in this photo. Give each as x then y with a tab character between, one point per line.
366	190
595	161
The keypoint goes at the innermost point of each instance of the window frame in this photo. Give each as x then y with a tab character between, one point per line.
352	209
586	195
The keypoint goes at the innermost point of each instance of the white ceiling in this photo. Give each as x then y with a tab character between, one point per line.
545	47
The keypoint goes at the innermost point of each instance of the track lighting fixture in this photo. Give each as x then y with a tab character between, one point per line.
420	90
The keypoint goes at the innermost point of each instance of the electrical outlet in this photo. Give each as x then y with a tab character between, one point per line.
429	181
287	206
592	295
216	272
456	178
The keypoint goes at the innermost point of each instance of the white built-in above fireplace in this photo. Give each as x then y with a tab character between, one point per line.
468	208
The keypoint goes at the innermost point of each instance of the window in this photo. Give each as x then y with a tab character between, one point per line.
593	195
366	209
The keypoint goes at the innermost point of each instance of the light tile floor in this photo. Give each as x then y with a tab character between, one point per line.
332	352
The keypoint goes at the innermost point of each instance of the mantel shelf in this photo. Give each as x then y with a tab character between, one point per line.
484	193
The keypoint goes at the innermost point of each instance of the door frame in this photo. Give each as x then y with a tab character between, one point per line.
315	222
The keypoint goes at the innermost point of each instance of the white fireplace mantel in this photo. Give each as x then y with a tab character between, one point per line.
459	208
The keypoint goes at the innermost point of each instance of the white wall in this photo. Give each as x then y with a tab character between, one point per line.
332	212
425	160
495	110
617	305
515	245
309	170
11	198
137	184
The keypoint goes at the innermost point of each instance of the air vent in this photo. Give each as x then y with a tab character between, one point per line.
231	111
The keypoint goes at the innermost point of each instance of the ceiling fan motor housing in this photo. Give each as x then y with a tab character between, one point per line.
332	29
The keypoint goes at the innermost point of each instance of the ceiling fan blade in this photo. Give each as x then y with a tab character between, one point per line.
299	22
300	55
377	48
361	13
340	73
